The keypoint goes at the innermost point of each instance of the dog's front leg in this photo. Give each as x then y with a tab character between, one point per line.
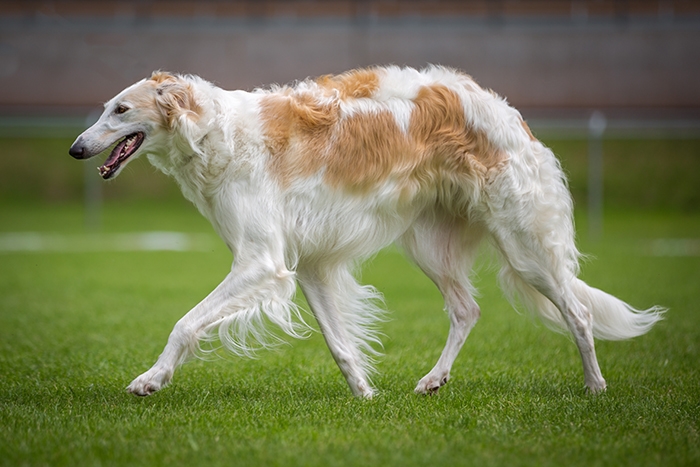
183	340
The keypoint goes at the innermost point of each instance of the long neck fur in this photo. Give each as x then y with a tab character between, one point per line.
207	155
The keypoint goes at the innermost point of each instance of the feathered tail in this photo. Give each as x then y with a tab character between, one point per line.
613	319
536	239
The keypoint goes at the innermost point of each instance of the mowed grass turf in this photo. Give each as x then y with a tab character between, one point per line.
75	328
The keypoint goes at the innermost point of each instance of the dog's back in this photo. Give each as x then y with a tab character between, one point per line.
414	130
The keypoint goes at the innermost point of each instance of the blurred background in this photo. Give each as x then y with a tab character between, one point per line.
93	274
612	85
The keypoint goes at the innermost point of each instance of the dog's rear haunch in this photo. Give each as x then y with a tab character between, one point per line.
303	181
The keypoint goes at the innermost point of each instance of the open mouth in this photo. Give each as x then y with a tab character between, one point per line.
121	152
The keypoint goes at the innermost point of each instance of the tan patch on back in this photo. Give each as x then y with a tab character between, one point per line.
355	84
297	131
439	126
307	135
367	149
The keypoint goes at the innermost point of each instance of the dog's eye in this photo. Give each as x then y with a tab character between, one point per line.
121	109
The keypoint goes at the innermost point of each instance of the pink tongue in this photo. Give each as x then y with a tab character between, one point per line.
116	152
112	163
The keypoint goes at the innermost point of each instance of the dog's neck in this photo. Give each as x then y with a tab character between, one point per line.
221	154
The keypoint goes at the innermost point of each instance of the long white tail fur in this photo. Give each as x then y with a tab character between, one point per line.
613	319
546	251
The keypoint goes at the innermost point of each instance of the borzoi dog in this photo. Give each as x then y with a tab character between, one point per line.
303	181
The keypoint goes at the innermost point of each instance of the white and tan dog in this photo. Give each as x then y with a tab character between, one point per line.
302	182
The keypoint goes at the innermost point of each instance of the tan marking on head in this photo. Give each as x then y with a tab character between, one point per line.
174	97
354	84
162	76
143	98
527	130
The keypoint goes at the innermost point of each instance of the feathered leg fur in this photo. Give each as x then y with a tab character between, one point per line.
235	310
346	313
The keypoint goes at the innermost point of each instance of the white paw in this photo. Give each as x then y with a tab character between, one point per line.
596	387
431	384
149	382
362	389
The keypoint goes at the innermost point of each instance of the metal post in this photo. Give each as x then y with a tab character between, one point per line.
596	128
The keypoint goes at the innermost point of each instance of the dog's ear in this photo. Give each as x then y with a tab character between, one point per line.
175	99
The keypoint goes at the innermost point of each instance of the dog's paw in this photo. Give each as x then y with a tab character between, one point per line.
149	382
431	384
365	391
596	387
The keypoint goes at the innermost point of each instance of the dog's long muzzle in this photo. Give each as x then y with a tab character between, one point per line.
121	152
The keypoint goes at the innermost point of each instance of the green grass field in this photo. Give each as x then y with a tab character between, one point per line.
77	326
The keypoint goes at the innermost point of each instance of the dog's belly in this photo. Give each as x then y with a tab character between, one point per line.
346	229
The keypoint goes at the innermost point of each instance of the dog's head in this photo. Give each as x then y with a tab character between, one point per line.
138	119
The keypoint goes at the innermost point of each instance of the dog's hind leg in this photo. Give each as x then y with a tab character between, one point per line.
445	249
346	313
540	279
531	223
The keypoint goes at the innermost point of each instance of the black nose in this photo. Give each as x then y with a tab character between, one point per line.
77	150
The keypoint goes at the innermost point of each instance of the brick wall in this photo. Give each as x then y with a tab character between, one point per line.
68	56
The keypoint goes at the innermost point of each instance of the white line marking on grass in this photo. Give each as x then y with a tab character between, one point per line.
675	247
79	243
